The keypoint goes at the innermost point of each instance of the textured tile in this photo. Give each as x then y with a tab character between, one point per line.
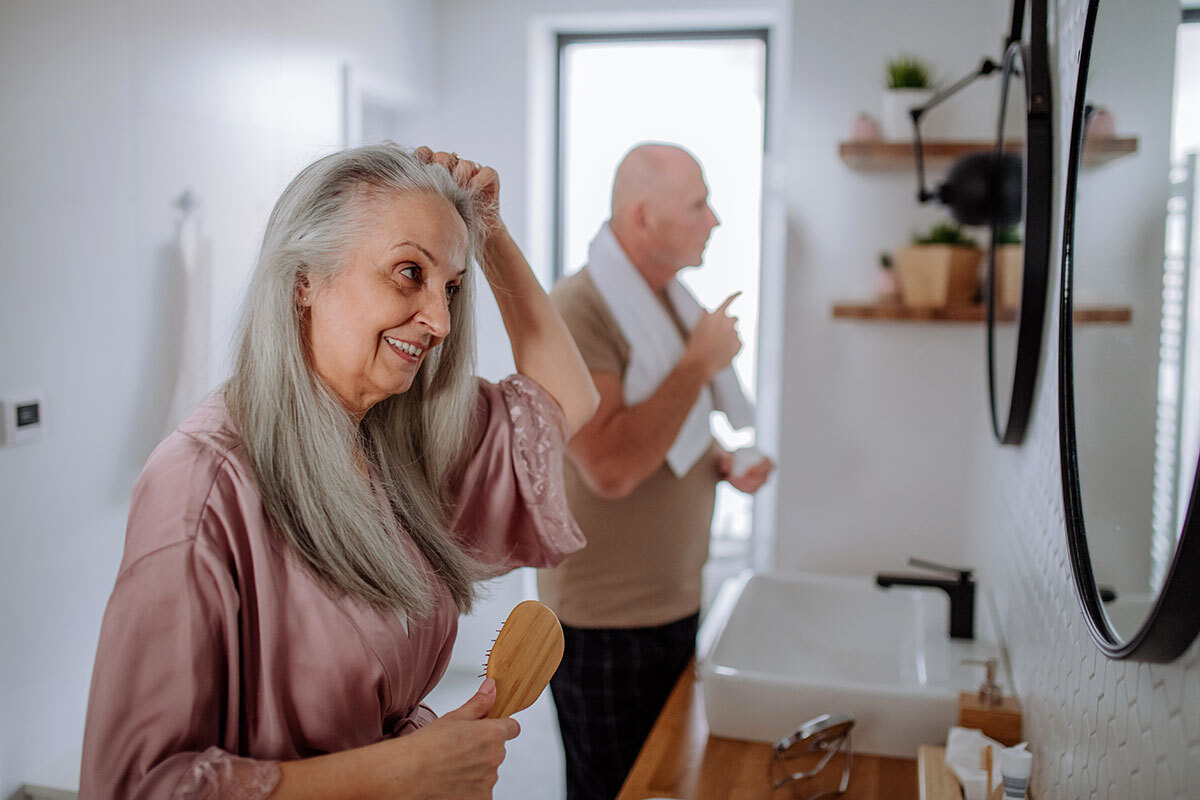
1097	728
1121	778
1191	774
1121	714
1160	715
1140	788
1163	785
1176	754
1191	700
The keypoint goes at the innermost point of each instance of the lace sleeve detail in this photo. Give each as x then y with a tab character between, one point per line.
539	430
539	436
217	775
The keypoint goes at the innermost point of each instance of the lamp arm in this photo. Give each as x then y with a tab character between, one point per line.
986	68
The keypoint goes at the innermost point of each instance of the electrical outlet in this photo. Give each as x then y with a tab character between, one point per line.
22	418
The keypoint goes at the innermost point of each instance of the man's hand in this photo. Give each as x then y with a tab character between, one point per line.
752	479
714	340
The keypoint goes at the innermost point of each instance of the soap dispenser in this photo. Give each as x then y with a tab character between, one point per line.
989	710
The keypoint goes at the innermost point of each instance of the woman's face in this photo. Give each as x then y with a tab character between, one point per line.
376	319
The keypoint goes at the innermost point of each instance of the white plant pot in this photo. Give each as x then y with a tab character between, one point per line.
895	119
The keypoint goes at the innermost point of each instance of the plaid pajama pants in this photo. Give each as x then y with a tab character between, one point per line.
608	691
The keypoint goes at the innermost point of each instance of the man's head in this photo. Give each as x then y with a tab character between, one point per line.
660	211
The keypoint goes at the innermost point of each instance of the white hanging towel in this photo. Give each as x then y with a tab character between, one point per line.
191	380
656	346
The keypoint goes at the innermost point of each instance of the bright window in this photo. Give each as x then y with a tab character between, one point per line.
707	93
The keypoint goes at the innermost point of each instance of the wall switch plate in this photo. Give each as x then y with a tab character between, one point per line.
22	418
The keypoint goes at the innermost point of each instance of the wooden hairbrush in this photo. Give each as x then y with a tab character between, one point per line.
524	657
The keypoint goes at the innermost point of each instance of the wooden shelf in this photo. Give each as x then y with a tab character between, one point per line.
894	312
1097	151
891	155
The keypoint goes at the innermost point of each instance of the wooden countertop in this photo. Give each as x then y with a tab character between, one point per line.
681	760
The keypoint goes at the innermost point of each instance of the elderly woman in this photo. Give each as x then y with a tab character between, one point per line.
299	549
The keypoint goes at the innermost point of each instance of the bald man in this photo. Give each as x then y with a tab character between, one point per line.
641	476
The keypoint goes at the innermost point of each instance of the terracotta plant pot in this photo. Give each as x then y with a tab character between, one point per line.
936	275
1009	258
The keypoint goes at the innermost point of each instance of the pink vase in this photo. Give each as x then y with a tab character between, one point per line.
864	128
1101	124
887	288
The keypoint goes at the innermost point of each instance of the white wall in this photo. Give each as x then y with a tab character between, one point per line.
883	423
107	113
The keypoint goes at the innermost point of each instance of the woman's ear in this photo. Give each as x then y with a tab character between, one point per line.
303	292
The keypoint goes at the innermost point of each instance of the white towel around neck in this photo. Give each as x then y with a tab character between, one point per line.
656	346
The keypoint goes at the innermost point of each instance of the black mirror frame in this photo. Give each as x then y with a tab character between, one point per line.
1038	189
1173	622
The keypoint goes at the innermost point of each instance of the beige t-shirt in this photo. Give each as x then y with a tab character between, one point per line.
641	566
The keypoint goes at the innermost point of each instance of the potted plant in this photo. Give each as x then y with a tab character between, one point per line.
940	268
908	83
1008	260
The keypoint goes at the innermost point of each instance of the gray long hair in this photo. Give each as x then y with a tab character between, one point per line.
305	448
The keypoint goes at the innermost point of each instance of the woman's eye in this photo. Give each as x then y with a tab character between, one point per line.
413	273
452	290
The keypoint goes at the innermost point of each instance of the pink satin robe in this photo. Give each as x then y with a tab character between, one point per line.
220	654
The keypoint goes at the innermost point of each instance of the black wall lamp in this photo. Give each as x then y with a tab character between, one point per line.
982	188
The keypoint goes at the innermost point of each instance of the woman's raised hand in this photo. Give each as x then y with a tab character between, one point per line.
484	182
542	347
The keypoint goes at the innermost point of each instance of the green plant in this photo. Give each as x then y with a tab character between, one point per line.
950	233
1009	235
907	72
885	259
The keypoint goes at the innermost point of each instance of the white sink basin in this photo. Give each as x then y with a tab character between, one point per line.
777	649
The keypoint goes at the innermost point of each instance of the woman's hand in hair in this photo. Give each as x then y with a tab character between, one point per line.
483	182
542	347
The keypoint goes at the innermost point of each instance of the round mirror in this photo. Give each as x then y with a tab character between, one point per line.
1015	289
1129	338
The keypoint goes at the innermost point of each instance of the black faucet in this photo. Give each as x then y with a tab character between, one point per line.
961	590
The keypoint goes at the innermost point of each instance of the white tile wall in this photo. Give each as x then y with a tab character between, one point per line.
1098	728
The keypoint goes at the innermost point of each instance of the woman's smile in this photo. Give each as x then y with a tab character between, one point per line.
407	350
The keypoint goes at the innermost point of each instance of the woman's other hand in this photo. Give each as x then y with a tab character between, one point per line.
455	757
460	753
